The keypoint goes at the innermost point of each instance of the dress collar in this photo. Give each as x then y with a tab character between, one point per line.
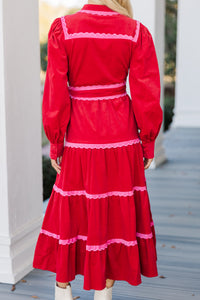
96	7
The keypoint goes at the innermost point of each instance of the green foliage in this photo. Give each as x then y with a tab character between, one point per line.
49	177
45	140
170	60
170	38
168	111
43	56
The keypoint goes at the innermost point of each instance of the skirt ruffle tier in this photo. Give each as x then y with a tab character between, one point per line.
98	221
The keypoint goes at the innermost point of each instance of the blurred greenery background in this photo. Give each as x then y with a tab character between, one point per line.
170	61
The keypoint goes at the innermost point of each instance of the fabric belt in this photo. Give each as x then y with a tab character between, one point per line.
92	92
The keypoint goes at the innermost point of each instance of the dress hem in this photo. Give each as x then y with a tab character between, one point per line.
108	276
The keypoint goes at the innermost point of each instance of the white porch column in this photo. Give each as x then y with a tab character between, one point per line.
20	137
187	96
152	14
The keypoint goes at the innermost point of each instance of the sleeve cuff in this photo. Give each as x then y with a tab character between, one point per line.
56	150
148	149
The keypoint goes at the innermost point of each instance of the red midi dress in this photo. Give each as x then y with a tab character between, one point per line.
98	221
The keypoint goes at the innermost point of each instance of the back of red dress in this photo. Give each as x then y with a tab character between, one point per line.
98	221
93	50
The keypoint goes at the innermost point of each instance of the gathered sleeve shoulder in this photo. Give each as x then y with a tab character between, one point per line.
56	106
144	82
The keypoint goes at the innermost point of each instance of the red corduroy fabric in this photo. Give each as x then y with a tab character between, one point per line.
98	221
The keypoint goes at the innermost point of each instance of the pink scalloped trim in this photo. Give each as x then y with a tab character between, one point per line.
99	35
140	188
64	26
98	196
64	242
55	236
98	98
100	13
104	246
135	38
97	86
95	247
73	240
101	146
144	236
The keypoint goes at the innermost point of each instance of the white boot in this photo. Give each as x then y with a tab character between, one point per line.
63	293
105	294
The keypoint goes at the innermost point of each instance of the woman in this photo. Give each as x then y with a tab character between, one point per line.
98	222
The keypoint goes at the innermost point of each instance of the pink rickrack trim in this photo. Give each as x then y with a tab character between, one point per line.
144	236
98	35
140	188
97	86
95	247
64	26
64	242
98	98
102	146
104	246
100	13
98	196
73	240
136	31
55	236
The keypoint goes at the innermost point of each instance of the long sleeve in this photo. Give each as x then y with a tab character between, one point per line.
144	82
56	106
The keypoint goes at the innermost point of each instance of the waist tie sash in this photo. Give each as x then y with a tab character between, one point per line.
98	92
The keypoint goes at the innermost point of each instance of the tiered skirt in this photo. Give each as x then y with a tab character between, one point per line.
98	221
